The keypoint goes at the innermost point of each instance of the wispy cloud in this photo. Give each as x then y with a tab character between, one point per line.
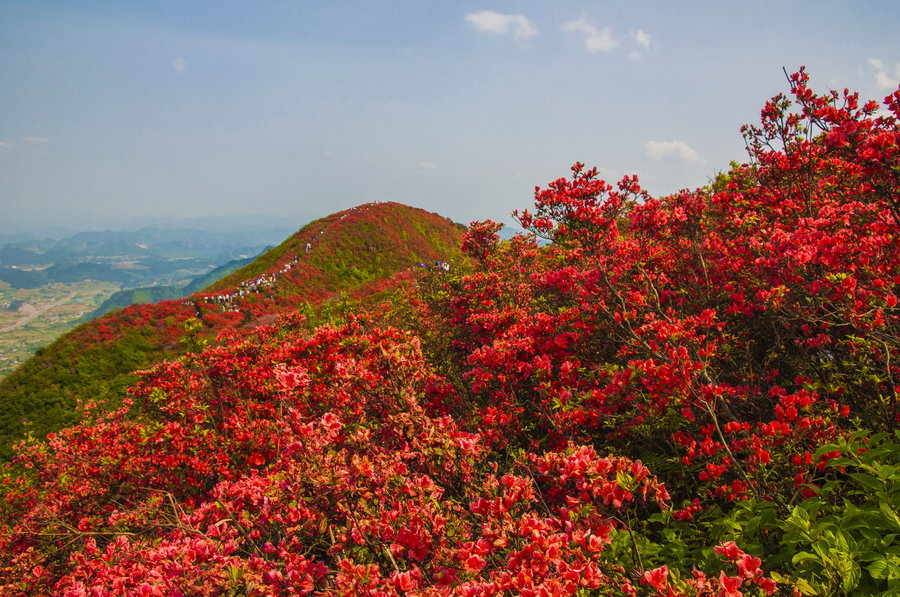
429	165
595	40
497	23
36	140
180	65
882	79
642	38
676	151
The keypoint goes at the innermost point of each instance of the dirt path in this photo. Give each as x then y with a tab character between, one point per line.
38	313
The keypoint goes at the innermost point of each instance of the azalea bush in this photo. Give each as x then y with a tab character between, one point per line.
296	464
723	336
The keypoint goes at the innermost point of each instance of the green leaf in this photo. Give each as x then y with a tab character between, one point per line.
840	461
845	542
870	556
804	586
886	471
878	569
889	515
871	530
828	448
884	569
868	480
802	556
799	513
824	549
852	576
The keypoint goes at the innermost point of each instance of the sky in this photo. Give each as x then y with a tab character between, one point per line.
120	112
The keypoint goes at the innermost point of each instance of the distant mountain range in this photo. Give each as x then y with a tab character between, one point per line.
237	225
146	243
134	258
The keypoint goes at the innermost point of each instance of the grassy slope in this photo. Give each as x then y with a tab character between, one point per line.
354	254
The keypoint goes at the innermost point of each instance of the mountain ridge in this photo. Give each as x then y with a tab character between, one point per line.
358	253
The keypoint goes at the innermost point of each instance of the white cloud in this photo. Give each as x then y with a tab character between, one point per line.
36	140
595	40
180	65
642	38
678	151
885	82
882	79
488	21
429	165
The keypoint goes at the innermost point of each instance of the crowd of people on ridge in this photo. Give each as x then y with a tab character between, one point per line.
226	300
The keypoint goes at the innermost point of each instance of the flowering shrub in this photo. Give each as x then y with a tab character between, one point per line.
721	335
288	464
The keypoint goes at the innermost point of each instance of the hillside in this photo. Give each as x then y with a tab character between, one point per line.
353	254
693	395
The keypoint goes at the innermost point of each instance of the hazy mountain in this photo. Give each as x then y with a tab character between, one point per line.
145	244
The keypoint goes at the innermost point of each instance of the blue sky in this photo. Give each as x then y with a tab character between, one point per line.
114	112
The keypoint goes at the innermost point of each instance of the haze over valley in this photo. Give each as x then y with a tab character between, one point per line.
47	285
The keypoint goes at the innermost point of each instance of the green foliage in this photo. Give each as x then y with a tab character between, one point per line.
18	278
193	341
846	539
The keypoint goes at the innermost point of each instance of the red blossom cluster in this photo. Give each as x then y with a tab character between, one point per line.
749	574
295	464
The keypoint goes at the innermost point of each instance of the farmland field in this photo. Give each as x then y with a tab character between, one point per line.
31	318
